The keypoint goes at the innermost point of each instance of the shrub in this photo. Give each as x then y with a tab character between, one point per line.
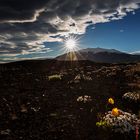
132	96
54	77
84	99
123	122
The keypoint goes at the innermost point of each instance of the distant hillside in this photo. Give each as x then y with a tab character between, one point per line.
99	50
100	55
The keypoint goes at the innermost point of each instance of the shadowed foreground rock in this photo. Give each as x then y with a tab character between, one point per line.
32	106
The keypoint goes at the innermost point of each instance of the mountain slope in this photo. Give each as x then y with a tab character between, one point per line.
100	55
99	50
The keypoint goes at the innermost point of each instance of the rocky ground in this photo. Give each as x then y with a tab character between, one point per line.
35	106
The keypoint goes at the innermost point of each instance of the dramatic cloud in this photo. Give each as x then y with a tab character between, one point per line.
26	24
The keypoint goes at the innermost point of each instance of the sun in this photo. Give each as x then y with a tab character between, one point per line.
71	47
71	43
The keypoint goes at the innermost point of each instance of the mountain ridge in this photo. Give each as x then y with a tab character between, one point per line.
98	50
100	55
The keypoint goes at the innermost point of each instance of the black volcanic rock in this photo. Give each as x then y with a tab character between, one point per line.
34	107
100	55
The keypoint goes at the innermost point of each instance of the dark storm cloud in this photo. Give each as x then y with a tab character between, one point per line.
20	9
25	24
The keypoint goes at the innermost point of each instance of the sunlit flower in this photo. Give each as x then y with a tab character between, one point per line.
111	101
115	112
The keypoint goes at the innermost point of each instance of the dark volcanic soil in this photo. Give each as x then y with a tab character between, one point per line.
34	107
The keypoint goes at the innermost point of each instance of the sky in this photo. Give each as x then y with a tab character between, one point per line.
32	29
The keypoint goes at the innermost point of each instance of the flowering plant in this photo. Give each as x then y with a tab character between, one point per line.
120	121
111	101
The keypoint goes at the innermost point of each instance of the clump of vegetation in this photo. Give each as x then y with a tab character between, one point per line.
119	121
54	77
83	77
133	96
84	99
